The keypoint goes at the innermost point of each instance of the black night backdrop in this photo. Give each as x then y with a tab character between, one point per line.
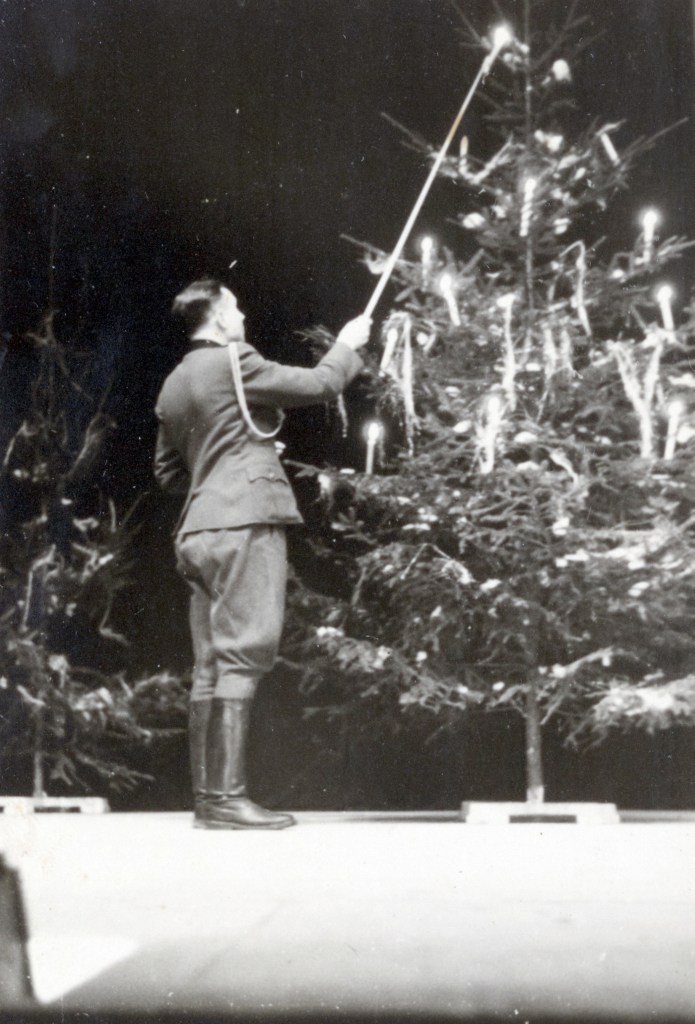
147	142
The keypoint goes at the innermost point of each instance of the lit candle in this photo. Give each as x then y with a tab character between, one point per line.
649	222
463	154
675	413
446	285
663	297
494	409
325	483
530	186
374	431
389	348
609	148
506	302
426	249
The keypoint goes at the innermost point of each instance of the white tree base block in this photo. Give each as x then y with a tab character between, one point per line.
54	804
494	813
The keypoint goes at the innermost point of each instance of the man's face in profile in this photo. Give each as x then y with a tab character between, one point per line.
229	317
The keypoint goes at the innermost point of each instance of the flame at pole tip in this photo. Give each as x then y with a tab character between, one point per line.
664	294
502	36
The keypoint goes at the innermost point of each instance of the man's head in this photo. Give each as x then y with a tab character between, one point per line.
209	311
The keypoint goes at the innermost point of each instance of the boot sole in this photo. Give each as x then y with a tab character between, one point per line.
221	825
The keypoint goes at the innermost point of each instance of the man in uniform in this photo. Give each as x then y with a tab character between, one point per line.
218	412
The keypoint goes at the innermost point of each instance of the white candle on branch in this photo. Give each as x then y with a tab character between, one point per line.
663	297
530	186
675	410
463	155
392	336
374	432
446	286
610	149
650	219
426	251
493	412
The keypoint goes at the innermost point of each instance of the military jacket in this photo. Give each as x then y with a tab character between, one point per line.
204	448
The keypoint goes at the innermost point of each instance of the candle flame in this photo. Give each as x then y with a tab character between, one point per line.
392	335
502	36
650	219
374	431
664	294
426	246
676	408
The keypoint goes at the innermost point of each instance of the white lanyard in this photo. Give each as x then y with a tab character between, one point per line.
233	349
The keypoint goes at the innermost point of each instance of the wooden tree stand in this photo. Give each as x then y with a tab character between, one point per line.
54	804
479	813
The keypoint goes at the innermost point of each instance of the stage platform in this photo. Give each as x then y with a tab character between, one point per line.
354	916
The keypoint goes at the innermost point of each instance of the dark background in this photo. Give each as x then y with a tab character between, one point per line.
145	142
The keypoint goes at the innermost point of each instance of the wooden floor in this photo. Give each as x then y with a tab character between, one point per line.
344	915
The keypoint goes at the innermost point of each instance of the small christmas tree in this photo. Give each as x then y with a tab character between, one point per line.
529	540
62	564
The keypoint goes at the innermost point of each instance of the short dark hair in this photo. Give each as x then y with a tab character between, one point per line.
194	303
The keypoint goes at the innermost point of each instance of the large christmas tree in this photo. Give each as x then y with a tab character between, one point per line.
526	540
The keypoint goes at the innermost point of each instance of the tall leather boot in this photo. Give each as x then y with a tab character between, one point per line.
227	804
198	721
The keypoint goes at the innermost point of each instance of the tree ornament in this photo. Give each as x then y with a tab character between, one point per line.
492	417
577	300
530	186
561	71
446	286
551	141
342	415
407	387
675	410
640	391
474	221
399	336
506	303
550	358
